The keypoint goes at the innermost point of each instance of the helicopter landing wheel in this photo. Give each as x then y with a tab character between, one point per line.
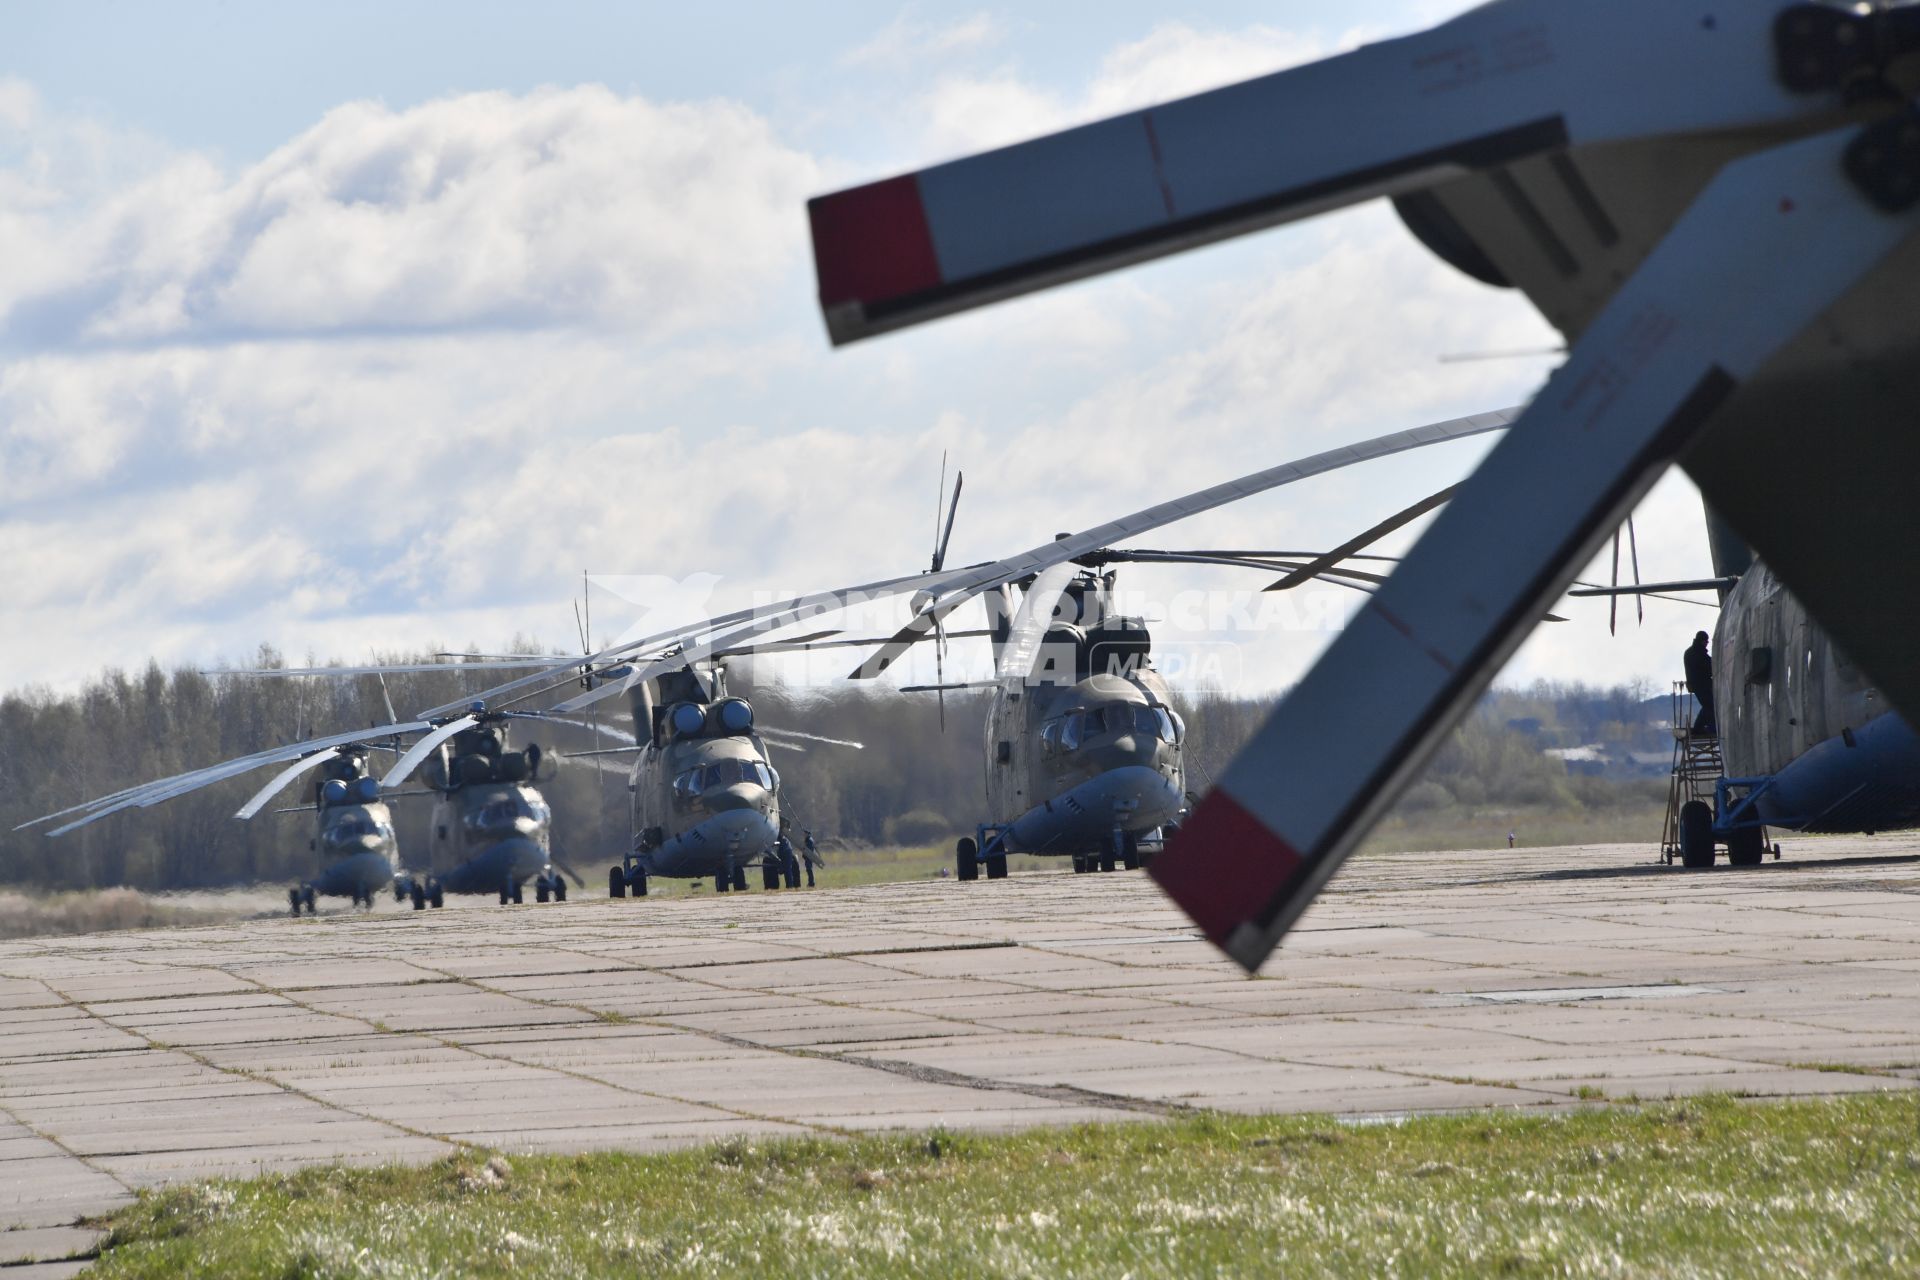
770	876
559	887
1130	851
516	895
1745	847
506	894
435	898
723	883
740	879
419	895
402	886
966	858
293	900
306	896
540	893
616	883
996	866
1696	834
1081	865
639	883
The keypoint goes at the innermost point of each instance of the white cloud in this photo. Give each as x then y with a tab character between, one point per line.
559	207
969	112
906	42
400	381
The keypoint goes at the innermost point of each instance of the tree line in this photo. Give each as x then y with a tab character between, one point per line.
913	784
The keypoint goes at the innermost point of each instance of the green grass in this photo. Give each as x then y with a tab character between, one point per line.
1459	827
1704	1187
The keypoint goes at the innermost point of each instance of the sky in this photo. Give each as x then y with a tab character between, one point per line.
369	328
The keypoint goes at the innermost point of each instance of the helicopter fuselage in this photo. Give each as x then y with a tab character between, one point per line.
358	851
705	806
1795	710
491	836
1070	766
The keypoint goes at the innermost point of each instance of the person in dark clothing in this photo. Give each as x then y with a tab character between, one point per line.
812	856
1700	684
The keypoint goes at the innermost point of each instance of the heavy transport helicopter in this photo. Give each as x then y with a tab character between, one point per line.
1807	742
490	826
1048	571
706	797
1727	243
1084	750
353	834
491	830
1087	762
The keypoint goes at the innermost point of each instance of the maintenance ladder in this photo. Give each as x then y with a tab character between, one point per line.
1697	767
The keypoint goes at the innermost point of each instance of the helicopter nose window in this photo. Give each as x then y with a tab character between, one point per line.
352	826
724	773
499	816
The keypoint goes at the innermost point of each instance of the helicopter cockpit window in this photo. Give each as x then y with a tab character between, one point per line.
1070	728
1164	724
499	816
1050	737
352	826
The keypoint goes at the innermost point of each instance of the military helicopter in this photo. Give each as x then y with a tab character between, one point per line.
705	795
491	830
1084	747
353	827
1807	742
681	714
706	798
353	833
1726	239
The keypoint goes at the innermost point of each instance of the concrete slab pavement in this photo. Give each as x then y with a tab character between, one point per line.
1521	979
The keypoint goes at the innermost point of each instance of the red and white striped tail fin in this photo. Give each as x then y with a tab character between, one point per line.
1504	81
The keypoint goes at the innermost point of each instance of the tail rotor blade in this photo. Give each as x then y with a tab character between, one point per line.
940	661
1639	600
1613	605
946	535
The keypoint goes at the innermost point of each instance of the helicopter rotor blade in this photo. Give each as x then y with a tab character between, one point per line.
765	730
1167	178
148	794
420	750
1022	649
1702	315
963	584
284	779
903	639
1397	520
